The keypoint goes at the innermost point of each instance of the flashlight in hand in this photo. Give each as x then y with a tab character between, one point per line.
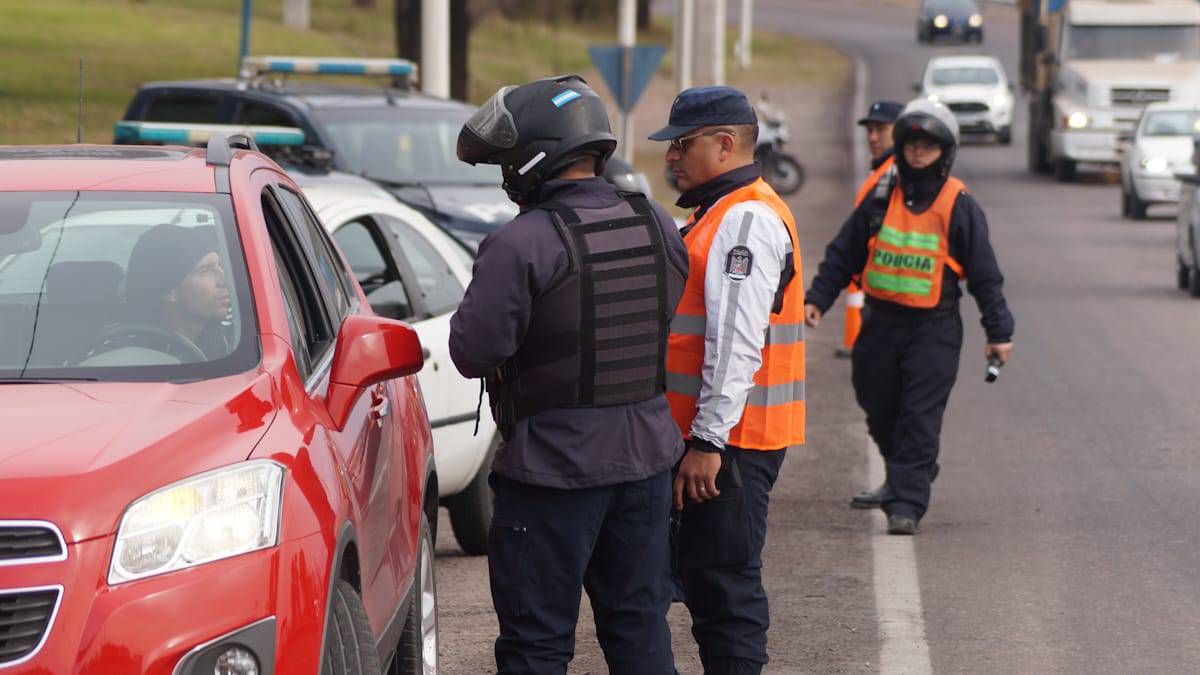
993	369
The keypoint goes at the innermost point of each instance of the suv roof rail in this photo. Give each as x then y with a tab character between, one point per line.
256	66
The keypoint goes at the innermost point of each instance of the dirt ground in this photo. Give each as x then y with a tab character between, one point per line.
817	560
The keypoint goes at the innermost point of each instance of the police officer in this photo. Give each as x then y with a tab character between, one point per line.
878	126
735	370
913	251
567	318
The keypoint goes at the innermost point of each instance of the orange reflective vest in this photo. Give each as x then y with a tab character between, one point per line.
774	414
869	183
906	258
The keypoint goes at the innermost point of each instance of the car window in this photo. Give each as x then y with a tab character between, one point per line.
263	114
335	278
292	308
183	108
364	248
122	286
1171	123
315	332
965	75
439	287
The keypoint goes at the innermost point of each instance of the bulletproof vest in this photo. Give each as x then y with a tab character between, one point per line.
598	337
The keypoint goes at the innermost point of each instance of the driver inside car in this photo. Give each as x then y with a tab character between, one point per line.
175	285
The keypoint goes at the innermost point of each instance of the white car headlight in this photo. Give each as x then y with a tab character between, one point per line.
208	517
975	21
999	100
940	21
1155	164
1078	120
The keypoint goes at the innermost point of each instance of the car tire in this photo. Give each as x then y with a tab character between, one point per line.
1064	170
1004	136
1183	276
1137	207
349	645
417	653
784	174
1124	202
1193	286
471	510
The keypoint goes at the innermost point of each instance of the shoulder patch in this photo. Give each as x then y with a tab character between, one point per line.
739	263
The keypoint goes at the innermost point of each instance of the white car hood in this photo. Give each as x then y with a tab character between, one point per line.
1175	149
963	92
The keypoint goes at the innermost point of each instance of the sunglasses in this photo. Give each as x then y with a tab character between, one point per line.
680	144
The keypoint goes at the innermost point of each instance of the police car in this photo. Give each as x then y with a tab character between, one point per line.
400	139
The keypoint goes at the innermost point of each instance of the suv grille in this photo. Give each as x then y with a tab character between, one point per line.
18	542
966	107
1139	97
25	618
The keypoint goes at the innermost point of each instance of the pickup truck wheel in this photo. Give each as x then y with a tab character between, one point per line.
471	510
418	650
1064	170
349	646
1182	275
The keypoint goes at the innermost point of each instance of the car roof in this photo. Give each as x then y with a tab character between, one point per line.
965	61
105	167
319	95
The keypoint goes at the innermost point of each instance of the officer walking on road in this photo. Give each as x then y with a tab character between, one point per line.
912	254
878	126
735	370
567	318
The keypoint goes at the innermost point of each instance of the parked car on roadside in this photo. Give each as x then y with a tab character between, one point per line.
413	271
1187	227
216	456
974	88
1159	146
393	135
955	19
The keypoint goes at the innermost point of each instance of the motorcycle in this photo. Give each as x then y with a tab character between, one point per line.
780	169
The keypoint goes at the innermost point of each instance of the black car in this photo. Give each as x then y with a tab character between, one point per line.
955	19
401	139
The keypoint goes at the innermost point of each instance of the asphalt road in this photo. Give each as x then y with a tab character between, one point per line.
1062	535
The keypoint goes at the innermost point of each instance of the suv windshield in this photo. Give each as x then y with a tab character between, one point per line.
395	145
1172	123
1143	43
972	75
952	6
122	286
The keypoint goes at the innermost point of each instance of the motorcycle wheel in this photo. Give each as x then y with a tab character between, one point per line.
784	173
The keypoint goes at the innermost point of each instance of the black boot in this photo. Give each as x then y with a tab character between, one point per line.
869	499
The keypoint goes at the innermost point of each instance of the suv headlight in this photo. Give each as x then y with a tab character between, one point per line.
208	517
1155	164
975	21
940	21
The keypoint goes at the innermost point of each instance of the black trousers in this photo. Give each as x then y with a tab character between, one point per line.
545	545
903	371
718	558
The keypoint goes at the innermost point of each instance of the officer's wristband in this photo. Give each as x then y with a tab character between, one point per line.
701	445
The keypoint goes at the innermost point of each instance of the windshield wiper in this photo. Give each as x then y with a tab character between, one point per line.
45	380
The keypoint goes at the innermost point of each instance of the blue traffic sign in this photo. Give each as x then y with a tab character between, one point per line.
626	70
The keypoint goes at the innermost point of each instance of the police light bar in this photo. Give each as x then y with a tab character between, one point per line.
316	65
199	134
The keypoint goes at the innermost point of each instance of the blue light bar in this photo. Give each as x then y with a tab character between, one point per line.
316	65
173	133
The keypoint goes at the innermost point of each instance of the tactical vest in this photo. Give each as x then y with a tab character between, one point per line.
775	409
907	256
598	337
881	180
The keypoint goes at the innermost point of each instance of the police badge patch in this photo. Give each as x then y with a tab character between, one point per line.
739	263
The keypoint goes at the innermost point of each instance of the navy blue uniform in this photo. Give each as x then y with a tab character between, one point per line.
583	494
905	361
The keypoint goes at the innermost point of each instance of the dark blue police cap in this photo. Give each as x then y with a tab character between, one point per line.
705	107
885	112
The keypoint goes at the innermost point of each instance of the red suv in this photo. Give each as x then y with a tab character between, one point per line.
216	458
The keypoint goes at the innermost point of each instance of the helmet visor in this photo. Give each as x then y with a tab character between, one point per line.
489	131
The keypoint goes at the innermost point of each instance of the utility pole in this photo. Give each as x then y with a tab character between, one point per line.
743	50
718	43
435	47
296	14
626	38
685	40
244	43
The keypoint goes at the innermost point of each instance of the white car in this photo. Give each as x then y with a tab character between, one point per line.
1159	147
412	270
975	89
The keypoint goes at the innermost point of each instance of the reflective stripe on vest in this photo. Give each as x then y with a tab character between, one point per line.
873	179
773	417
906	258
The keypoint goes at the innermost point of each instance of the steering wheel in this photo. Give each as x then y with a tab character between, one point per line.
142	335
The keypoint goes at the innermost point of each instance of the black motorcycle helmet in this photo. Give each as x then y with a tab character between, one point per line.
535	130
923	117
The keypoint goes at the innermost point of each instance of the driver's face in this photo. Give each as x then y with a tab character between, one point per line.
203	293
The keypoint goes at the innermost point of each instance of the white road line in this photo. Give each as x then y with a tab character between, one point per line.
898	609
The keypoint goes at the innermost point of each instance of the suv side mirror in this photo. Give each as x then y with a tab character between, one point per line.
370	349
